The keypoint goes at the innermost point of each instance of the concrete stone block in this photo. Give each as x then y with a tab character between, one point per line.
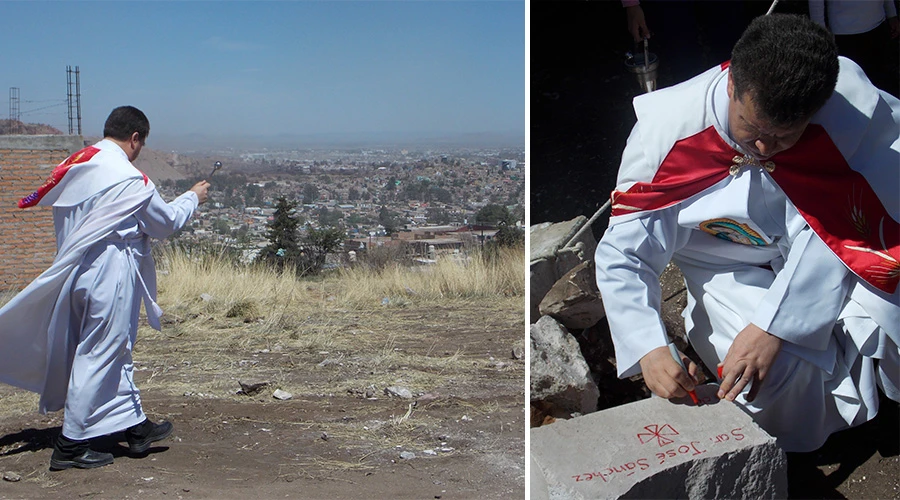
657	448
537	486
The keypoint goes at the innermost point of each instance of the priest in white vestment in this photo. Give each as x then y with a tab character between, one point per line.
772	182
69	334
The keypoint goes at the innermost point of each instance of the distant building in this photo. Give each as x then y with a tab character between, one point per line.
508	164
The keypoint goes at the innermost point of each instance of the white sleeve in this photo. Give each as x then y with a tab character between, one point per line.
817	12
804	301
160	219
629	260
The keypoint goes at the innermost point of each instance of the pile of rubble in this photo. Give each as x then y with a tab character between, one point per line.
573	368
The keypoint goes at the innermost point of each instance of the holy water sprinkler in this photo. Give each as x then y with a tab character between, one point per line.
216	166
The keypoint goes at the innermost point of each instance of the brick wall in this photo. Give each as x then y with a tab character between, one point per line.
27	239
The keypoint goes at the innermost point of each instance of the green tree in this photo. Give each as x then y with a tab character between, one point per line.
315	247
310	193
509	236
329	217
388	219
221	226
494	215
253	195
442	195
437	216
283	248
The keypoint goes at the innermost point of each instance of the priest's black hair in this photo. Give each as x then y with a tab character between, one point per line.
125	121
788	64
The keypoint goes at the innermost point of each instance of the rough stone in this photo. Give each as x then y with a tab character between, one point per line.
574	299
282	395
657	448
568	258
400	392
546	239
559	373
12	477
407	455
251	387
542	276
549	260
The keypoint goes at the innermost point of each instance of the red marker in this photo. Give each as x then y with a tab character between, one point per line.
719	371
675	355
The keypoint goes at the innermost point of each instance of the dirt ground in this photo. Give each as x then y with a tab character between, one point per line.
466	428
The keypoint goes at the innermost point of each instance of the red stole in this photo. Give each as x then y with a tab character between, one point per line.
836	201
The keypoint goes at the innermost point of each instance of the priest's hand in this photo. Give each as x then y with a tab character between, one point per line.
202	190
749	359
665	377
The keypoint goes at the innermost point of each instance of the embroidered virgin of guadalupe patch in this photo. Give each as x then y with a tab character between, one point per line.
733	231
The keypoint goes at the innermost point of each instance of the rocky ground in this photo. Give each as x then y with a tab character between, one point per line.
460	434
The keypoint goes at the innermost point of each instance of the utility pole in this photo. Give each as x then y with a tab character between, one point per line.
14	110
73	98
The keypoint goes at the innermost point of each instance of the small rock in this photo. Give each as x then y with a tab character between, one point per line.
205	297
324	436
370	392
429	452
407	455
250	388
426	398
400	392
282	395
465	418
518	353
11	477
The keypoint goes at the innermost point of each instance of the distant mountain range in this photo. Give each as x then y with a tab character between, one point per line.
389	140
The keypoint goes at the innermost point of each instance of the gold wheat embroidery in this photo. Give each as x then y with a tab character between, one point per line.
889	268
856	215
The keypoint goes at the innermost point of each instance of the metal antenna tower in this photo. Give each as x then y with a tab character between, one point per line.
74	99
14	110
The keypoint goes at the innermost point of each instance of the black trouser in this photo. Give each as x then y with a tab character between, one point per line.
70	447
877	54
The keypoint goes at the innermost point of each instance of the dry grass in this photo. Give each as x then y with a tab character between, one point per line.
474	277
230	322
17	402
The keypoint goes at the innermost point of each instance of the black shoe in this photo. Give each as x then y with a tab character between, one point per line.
142	435
90	459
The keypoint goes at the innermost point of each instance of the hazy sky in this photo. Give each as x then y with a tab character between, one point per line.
268	68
